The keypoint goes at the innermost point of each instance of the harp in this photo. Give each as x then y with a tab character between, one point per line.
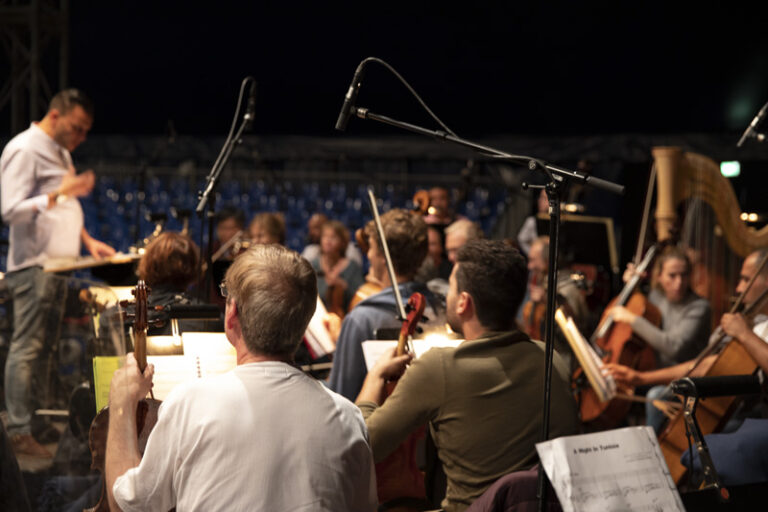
696	201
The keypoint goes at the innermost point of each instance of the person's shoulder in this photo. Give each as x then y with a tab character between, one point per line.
352	264
310	251
698	302
20	142
435	355
348	410
384	298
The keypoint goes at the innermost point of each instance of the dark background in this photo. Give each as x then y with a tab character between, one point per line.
501	67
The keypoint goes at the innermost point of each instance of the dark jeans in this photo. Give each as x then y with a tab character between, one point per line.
38	302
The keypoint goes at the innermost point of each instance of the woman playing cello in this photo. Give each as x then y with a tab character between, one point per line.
685	315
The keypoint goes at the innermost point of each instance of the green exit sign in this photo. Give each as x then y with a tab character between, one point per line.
730	169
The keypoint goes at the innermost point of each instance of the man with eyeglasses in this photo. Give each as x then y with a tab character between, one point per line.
264	436
40	188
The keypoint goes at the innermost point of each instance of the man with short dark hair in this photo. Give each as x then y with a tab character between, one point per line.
406	235
39	202
482	399
264	436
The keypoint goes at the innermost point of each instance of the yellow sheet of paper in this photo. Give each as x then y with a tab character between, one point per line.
103	369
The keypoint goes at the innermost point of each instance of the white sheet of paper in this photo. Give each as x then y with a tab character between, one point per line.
170	371
373	349
206	344
620	469
317	335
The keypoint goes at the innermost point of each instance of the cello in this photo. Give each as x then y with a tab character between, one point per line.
146	413
616	342
713	413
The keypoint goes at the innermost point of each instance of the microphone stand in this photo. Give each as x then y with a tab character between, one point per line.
556	177
207	197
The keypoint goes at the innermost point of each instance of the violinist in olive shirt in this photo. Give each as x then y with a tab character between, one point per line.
482	399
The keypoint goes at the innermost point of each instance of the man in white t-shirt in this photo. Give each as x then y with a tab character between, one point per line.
39	202
262	437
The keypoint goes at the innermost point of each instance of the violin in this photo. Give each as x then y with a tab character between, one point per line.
398	475
146	413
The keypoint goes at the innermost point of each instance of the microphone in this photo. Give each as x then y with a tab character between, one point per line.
750	131
724	385
250	109
349	99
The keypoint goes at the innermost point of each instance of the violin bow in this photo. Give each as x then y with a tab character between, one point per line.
719	335
401	314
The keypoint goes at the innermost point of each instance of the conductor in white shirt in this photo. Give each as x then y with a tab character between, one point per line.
40	188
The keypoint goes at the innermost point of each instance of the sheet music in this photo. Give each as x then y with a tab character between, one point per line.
206	344
615	470
373	349
317	335
205	354
170	371
603	385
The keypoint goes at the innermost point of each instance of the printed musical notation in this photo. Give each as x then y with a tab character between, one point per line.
615	470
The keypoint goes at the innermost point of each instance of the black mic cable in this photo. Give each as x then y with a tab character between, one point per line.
349	100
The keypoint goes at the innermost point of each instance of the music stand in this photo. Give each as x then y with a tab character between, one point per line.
584	239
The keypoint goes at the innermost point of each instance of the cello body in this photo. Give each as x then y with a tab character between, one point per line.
622	346
618	343
711	413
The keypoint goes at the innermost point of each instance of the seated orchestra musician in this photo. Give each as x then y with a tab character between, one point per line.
686	317
441	212
754	340
437	255
314	231
267	228
230	223
406	235
457	234
264	436
568	293
168	267
338	277
481	398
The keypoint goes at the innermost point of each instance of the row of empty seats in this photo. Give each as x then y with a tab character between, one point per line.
111	212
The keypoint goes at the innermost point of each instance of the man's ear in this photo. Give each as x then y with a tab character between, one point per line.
231	317
464	304
54	114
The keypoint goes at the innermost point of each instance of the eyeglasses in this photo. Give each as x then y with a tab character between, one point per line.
223	289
